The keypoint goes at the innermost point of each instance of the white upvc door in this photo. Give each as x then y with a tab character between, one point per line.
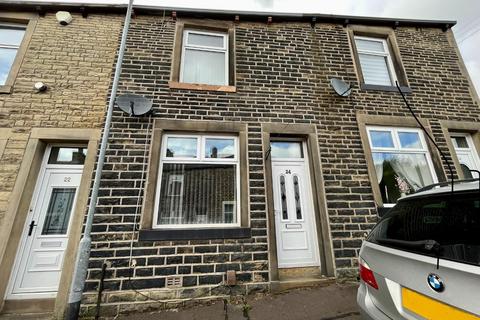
39	260
466	153
297	244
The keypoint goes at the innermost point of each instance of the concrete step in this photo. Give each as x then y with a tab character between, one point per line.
285	285
26	316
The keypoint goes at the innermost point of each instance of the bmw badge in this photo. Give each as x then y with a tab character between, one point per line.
435	282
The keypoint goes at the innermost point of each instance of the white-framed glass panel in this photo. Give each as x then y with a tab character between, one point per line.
409	140
375	61
286	149
229	211
381	139
67	155
218	148
11	36
467	154
402	161
204	58
181	147
198	190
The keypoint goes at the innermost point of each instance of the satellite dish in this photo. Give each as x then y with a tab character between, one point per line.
134	104
342	88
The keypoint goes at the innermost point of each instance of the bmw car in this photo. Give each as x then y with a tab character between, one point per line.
422	259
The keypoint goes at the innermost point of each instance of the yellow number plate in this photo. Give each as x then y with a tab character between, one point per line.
432	309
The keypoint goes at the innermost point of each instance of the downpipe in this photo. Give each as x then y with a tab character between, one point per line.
83	254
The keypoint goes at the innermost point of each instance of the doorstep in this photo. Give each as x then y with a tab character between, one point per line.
26	316
285	285
27	309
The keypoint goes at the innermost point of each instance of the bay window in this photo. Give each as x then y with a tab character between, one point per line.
402	161
198	184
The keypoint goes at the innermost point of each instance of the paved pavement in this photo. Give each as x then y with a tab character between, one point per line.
334	302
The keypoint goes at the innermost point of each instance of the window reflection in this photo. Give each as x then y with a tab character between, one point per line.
286	149
219	148
409	140
181	147
381	139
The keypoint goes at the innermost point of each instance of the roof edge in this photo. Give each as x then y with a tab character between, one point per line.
47	6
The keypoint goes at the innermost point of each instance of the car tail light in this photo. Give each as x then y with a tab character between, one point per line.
366	274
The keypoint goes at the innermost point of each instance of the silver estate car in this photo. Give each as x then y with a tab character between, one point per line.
422	259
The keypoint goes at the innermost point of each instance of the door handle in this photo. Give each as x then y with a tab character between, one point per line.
30	227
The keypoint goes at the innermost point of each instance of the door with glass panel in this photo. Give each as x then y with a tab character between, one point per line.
467	154
295	225
39	260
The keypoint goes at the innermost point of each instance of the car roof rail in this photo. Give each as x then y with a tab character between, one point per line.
445	183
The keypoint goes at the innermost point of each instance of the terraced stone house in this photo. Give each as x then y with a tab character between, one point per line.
48	142
251	173
251	163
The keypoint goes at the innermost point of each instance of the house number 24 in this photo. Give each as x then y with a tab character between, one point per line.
288	171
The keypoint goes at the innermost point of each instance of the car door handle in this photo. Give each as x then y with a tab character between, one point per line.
30	227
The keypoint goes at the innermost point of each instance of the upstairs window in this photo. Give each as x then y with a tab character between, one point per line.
375	61
11	36
199	182
402	161
204	58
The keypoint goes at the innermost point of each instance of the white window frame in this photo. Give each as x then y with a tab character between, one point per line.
185	45
200	158
224	203
397	148
8	46
386	53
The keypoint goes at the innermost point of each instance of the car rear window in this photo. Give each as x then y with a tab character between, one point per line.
451	222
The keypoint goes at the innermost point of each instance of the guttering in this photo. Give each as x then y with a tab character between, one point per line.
261	16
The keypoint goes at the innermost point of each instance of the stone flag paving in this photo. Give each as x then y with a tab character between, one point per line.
334	302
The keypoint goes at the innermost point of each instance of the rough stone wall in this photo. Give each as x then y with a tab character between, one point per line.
282	75
75	62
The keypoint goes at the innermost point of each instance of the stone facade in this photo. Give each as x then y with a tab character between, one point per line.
76	63
282	76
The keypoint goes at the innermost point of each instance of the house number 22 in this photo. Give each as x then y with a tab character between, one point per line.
67	179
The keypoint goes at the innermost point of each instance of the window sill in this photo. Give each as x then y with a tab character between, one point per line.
194	234
375	87
5	89
200	87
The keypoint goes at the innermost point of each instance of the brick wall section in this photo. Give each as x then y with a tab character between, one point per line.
75	62
283	73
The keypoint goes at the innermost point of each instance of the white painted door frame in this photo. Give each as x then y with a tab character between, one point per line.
296	236
467	156
43	250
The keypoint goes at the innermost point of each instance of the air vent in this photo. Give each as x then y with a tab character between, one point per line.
174	282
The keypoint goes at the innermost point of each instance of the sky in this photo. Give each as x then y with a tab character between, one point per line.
465	12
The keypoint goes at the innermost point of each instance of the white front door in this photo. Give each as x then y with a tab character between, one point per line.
39	260
467	154
297	244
